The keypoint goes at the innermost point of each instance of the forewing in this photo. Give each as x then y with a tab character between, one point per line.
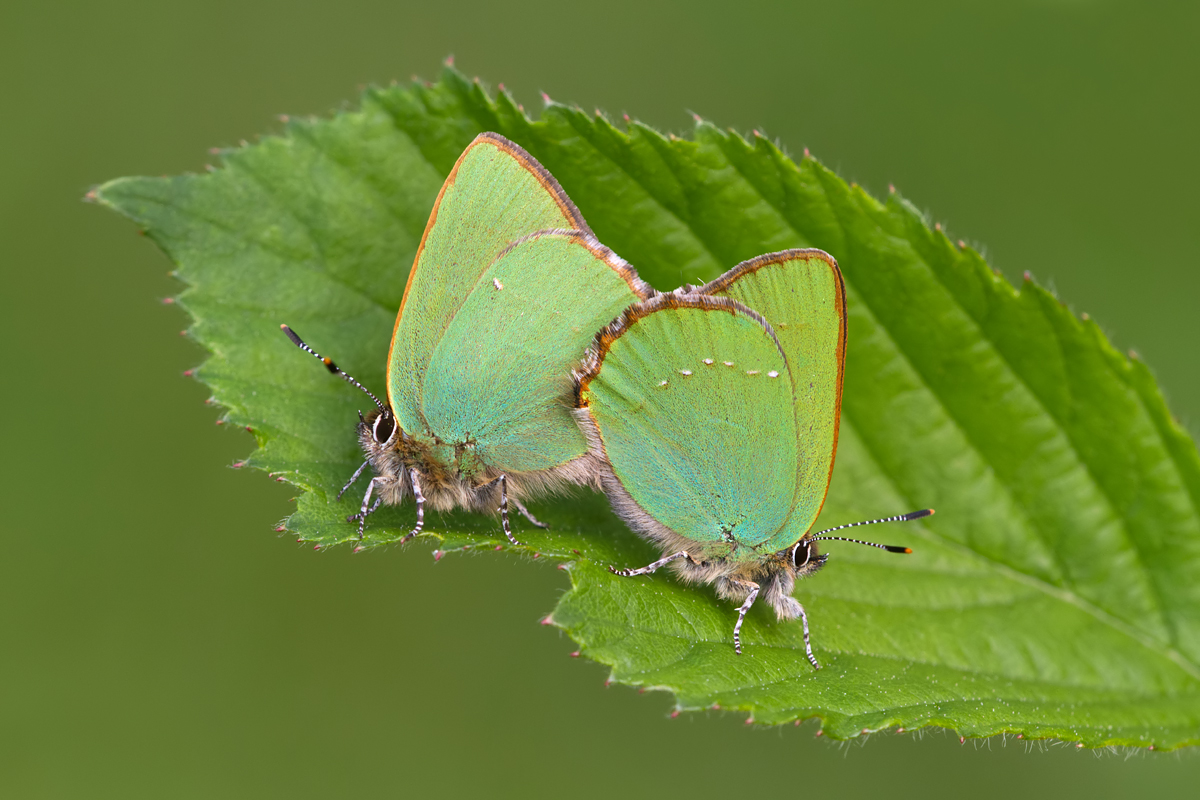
501	375
496	194
693	404
800	293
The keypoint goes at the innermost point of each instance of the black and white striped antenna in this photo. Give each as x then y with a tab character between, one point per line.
332	367
925	512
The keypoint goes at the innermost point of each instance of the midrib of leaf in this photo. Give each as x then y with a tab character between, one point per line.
318	262
232	232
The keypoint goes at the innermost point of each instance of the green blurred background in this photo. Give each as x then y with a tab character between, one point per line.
158	640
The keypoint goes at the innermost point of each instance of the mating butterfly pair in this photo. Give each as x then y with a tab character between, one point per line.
527	357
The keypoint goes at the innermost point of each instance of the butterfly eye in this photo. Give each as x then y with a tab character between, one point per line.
383	428
802	553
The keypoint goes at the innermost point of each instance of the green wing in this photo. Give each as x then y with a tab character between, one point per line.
800	293
501	375
692	401
496	194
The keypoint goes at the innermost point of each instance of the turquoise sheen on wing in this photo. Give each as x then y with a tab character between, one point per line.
713	432
501	370
506	292
488	201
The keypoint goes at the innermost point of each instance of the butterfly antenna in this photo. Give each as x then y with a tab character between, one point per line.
329	365
925	512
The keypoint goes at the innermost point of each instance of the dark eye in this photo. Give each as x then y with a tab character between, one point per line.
801	553
383	429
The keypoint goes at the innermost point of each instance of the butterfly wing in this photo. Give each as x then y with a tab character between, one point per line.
691	401
500	377
801	294
496	194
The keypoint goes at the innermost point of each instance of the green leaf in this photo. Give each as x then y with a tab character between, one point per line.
1055	594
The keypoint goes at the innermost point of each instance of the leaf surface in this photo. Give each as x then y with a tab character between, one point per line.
1055	594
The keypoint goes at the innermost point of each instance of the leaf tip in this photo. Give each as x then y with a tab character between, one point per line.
1028	277
281	529
576	654
547	620
891	188
437	555
448	61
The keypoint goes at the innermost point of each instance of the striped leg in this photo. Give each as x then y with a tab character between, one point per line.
366	509
525	513
737	626
414	477
353	478
370	510
646	570
807	647
504	509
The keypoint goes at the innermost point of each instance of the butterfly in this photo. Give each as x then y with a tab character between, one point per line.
507	289
714	411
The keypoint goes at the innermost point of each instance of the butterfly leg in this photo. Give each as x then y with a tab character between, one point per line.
525	513
414	477
370	511
646	570
504	509
353	478
737	626
366	509
807	647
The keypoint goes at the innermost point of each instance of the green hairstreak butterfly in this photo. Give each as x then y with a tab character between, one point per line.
508	287
716	412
